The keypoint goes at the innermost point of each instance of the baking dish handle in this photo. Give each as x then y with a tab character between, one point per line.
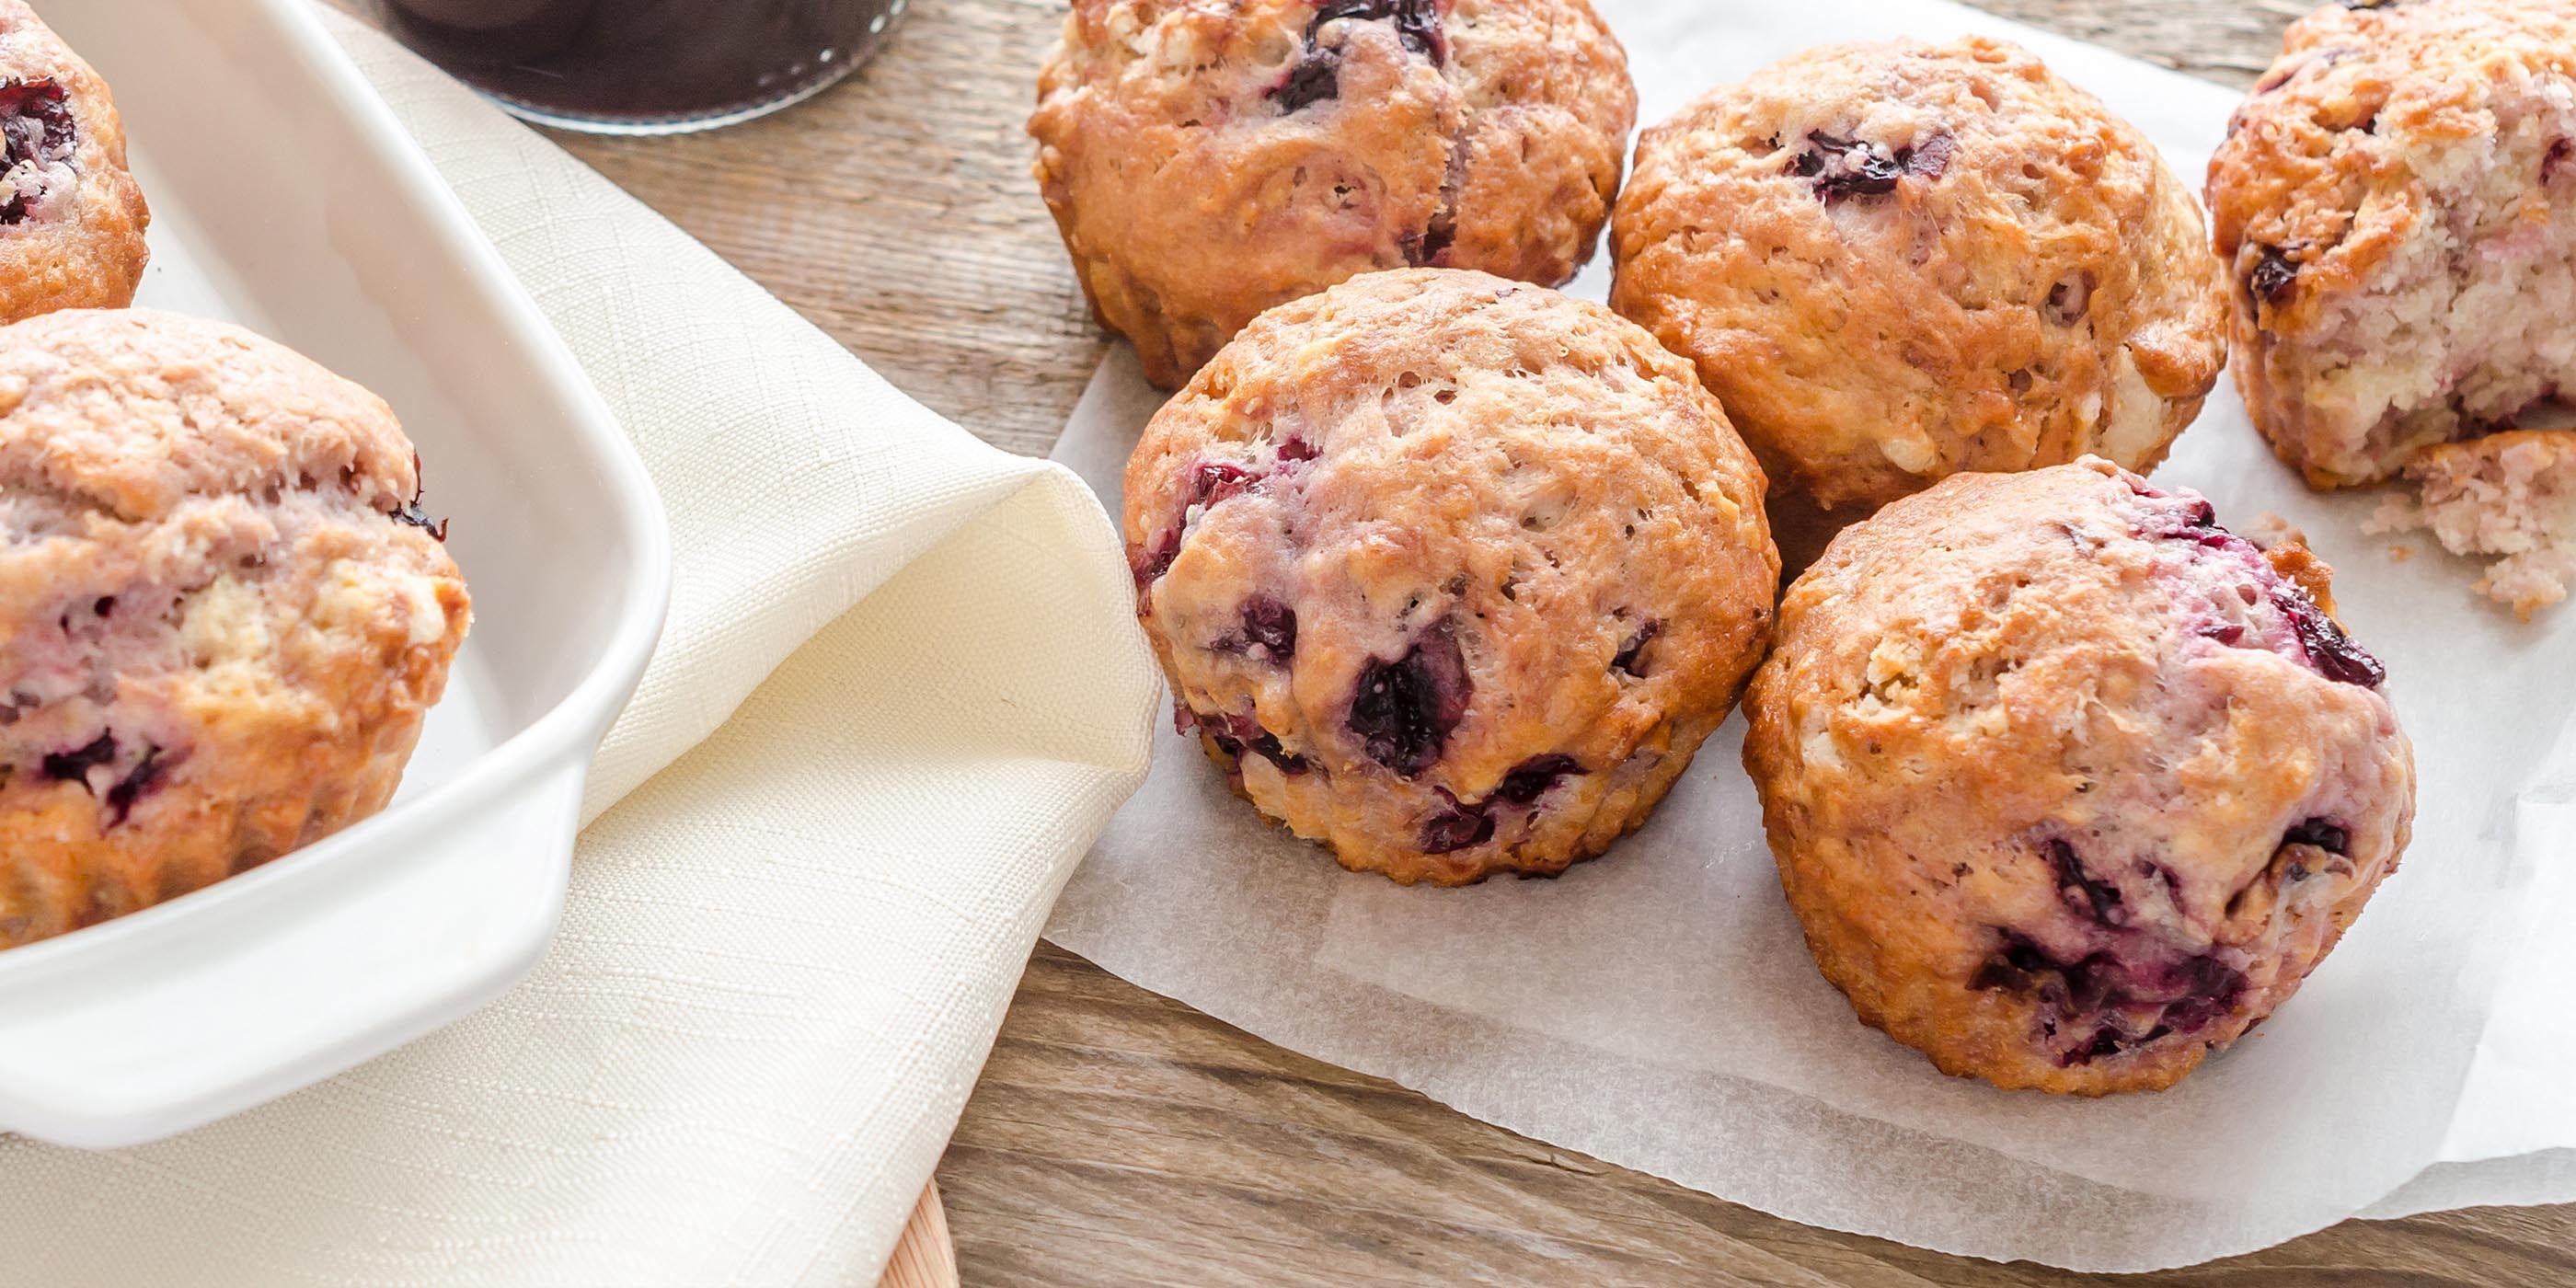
176	1016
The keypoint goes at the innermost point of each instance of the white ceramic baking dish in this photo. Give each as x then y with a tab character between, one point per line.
286	197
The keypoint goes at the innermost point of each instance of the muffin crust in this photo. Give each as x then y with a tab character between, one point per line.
1449	573
1896	261
71	216
2068	785
1207	159
223	613
2396	201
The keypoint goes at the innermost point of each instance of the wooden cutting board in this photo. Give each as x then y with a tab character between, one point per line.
923	1257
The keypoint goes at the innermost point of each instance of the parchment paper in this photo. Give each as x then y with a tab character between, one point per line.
1657	1008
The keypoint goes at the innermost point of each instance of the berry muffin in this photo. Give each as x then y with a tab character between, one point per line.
2510	497
2069	785
1207	159
222	612
1450	573
2397	199
1896	261
71	218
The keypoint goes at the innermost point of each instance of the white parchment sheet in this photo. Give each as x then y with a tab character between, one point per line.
1657	1008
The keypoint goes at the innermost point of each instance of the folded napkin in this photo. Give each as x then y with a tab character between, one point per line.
897	697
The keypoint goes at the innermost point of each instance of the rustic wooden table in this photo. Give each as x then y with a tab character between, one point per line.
1119	1138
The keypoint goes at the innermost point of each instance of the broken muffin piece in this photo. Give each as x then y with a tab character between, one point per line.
2508	497
2396	203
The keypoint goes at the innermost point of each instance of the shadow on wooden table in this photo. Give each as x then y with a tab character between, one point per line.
1119	1139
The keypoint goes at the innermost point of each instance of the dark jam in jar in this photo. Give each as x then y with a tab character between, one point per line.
642	66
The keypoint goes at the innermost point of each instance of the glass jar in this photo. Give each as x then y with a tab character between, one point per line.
642	66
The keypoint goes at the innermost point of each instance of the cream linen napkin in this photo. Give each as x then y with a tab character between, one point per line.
898	696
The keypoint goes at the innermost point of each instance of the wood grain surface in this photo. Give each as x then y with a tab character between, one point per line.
924	1255
1119	1138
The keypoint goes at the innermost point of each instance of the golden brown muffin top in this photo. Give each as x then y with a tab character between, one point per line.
1894	261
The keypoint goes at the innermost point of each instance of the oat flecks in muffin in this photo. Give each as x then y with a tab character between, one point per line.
1451	574
2396	202
1896	261
218	633
2068	785
2509	498
1205	161
71	216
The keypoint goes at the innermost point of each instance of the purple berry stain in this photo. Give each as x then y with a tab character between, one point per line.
1631	655
145	775
1210	482
1456	827
1272	625
1316	78
2097	996
1269	631
1150	562
2331	651
1403	710
2198	516
1317	75
1839	169
1417	23
1929	159
1214	481
1460	825
2274	273
2016	966
2084	889
1531	779
35	129
73	766
1234	735
2324	834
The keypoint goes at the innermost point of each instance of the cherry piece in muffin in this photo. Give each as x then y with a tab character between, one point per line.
2069	785
1449	573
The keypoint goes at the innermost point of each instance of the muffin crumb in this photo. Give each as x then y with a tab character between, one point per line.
2509	498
